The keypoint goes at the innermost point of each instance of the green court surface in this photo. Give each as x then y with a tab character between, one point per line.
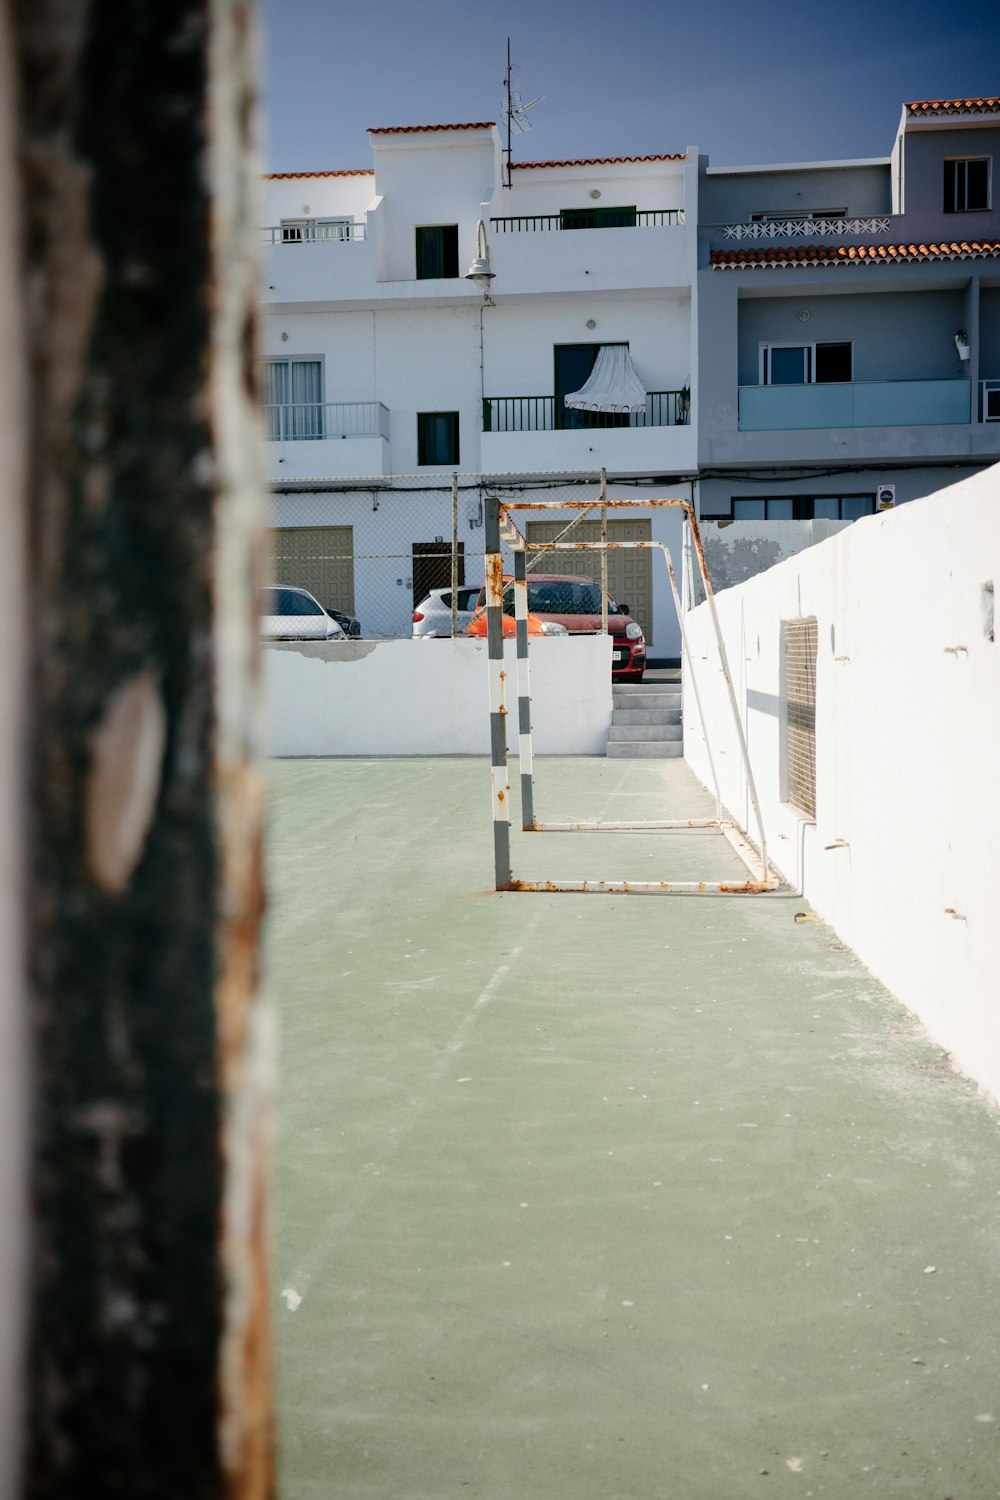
605	1197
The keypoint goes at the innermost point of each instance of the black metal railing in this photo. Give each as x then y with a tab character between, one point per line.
541	413
642	218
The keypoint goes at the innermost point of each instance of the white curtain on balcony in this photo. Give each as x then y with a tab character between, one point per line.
613	384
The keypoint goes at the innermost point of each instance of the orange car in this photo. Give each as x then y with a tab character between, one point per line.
562	605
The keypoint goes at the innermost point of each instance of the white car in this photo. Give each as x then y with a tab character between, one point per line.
292	614
432	616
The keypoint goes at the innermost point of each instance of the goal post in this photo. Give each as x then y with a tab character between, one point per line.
500	520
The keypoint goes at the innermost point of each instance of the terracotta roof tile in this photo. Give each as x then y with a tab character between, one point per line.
953	106
286	176
841	255
596	161
417	129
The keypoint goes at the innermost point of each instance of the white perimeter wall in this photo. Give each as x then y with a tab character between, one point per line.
431	697
908	731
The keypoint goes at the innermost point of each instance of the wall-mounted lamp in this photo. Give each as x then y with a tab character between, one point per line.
479	273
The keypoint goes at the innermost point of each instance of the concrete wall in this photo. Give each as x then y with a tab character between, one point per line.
924	153
896	335
732	197
439	178
739	550
432	697
336	196
901	858
911	484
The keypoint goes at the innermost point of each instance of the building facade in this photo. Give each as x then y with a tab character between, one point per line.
793	332
849	323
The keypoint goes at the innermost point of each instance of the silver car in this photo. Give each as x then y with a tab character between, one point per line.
432	616
292	614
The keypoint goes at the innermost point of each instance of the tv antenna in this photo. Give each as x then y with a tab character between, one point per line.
514	111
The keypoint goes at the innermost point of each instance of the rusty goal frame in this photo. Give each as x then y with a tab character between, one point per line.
501	522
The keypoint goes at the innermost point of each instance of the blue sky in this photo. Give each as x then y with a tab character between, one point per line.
744	82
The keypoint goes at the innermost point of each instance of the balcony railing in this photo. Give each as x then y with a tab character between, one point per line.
540	414
783	229
860	403
314	232
311	421
642	219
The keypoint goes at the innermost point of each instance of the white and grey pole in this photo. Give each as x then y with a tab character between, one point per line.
498	711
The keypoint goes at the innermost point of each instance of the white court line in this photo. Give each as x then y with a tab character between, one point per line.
298	1282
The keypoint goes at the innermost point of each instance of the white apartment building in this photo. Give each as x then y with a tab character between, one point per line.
386	370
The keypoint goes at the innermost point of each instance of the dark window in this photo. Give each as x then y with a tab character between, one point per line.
833	363
437	252
967	185
573	366
597	218
802	507
804	364
437	437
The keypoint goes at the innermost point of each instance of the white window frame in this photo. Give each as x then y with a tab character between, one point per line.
318	425
764	362
988	159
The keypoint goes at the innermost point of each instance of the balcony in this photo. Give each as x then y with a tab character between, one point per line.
313	232
569	223
334	440
530	433
864	403
539	414
804	228
545	253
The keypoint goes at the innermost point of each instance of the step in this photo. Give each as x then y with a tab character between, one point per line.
644	749
646	716
620	732
629	698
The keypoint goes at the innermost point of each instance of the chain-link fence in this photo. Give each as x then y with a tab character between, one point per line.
374	556
377	556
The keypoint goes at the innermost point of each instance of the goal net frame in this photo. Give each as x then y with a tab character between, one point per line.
500	523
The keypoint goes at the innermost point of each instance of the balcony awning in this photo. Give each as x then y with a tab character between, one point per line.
613	384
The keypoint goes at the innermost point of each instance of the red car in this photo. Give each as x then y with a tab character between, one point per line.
563	605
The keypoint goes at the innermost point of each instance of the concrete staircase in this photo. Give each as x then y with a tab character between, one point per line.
646	717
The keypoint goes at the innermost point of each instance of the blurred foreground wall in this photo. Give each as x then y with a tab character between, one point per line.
134	1346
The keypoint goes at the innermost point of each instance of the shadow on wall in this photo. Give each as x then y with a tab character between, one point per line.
738	550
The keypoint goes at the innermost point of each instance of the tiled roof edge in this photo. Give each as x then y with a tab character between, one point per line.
847	255
596	161
952	106
418	129
286	176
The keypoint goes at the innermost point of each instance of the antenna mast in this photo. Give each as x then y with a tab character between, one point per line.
508	110
515	112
